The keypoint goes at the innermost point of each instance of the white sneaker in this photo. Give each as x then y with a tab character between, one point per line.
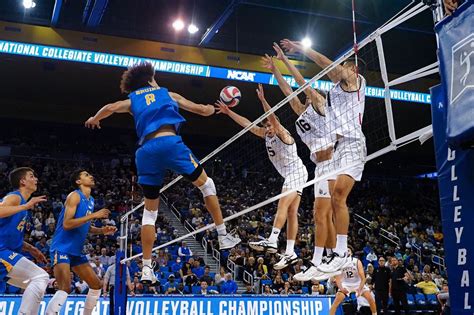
228	241
334	265
264	245
285	261
148	275
309	274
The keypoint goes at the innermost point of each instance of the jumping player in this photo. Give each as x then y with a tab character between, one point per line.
311	126
352	279
20	271
282	152
345	104
157	120
74	224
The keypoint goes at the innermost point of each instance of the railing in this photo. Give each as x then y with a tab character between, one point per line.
188	226
217	256
231	267
389	236
417	250
204	245
248	278
439	261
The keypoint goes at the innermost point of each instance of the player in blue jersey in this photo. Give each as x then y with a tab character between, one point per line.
74	224
16	269
157	120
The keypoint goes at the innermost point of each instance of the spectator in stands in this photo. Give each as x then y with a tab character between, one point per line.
248	290
162	259
229	286
287	290
278	283
38	233
206	276
316	288
190	278
219	278
176	266
427	286
171	285
81	287
198	270
137	286
381	282
262	269
267	290
184	251
103	258
186	268
42	246
399	286
443	299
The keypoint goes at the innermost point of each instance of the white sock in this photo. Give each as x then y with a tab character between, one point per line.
56	302
290	247
341	244
91	301
317	255
274	236
221	230
146	262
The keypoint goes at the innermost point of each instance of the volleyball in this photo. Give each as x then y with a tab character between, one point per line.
230	95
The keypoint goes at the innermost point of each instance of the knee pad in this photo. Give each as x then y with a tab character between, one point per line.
91	299
151	191
208	189
149	217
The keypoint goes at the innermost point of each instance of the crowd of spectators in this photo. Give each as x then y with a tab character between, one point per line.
405	207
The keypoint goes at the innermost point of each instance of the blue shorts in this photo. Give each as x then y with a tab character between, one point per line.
8	259
58	257
158	155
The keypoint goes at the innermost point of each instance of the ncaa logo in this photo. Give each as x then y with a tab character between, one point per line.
462	72
240	75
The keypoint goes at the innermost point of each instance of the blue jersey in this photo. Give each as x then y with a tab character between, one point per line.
153	107
12	228
72	241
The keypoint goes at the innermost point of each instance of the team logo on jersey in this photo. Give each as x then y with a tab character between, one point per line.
462	76
63	257
12	256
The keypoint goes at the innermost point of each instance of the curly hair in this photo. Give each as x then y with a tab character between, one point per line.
137	77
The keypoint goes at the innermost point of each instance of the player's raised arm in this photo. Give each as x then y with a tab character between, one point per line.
317	99
106	111
339	73
295	103
200	109
70	222
11	205
221	108
266	107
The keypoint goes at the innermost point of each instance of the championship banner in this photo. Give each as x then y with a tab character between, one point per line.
456	189
191	305
456	59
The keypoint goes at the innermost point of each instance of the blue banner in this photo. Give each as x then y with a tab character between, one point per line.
105	59
456	58
456	187
192	305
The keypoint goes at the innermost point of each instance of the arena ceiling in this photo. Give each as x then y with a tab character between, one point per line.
66	92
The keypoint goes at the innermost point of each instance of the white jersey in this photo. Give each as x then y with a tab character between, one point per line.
283	156
313	129
350	274
346	110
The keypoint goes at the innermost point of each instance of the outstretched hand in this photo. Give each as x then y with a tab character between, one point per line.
109	230
280	54
291	46
267	62
35	200
92	123
260	93
222	108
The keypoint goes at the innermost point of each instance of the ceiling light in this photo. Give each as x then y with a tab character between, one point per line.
28	4
306	42
192	28
178	25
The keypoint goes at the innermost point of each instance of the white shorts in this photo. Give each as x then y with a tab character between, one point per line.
296	176
321	188
353	287
351	151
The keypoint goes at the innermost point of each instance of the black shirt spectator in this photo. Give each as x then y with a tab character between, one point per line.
381	280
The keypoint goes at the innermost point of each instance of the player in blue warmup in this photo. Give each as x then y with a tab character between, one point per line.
14	268
157	120
74	224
